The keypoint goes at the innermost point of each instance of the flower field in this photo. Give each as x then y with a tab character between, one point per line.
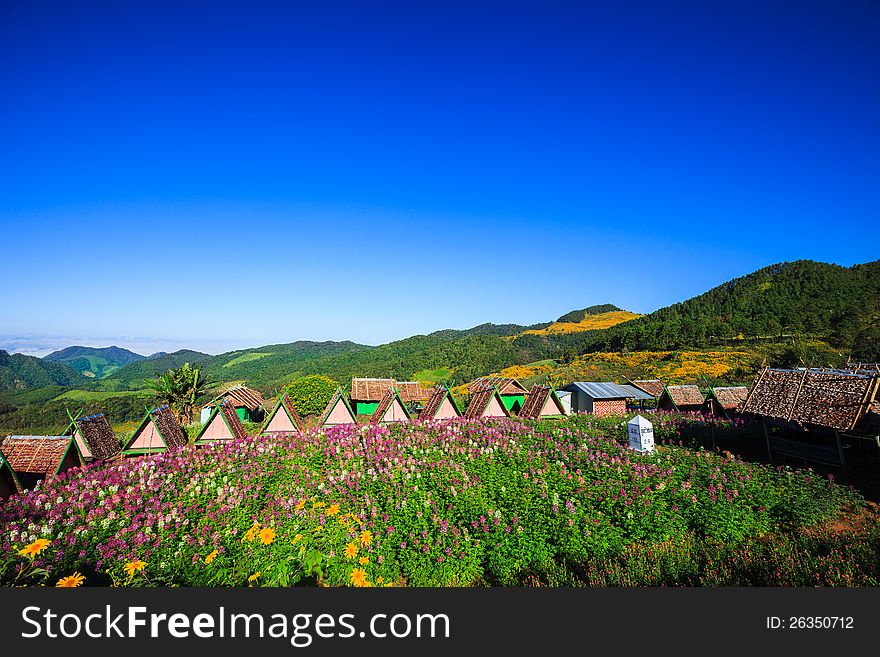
460	503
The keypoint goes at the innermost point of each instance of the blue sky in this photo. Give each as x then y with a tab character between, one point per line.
233	174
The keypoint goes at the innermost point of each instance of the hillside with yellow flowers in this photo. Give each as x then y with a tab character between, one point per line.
588	323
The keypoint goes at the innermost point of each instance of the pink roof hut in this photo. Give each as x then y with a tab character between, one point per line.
158	431
440	405
337	412
222	424
390	409
283	418
486	403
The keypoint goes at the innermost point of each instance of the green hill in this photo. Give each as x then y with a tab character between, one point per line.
94	362
576	316
18	372
837	305
132	376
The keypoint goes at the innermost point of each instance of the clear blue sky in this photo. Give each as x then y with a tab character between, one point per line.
239	173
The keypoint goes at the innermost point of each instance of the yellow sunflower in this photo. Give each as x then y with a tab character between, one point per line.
71	581
34	548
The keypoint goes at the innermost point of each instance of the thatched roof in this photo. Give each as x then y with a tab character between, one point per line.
730	398
505	385
99	436
537	398
40	455
480	402
227	411
285	405
167	426
438	394
337	398
835	400
653	387
385	403
684	396
239	397
411	391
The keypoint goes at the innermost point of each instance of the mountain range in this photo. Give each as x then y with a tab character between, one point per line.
834	310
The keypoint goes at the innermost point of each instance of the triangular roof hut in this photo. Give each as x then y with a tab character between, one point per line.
158	431
94	438
486	403
366	393
222	424
511	391
9	484
390	409
440	405
725	401
283	417
542	401
653	387
338	411
681	398
34	458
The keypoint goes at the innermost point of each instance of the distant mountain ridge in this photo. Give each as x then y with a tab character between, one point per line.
94	362
18	372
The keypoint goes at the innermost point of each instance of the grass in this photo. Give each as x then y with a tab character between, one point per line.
433	376
246	358
97	395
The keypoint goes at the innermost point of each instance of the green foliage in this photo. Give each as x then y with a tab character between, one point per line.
181	389
311	394
18	372
839	305
135	374
93	361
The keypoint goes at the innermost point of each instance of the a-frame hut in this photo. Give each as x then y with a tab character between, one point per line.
94	438
511	392
223	424
686	399
390	409
283	417
653	387
158	431
725	402
337	412
542	401
248	403
9	484
486	403
34	458
440	405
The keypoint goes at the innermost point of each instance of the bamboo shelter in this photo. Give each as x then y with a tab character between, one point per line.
94	438
440	405
283	418
813	404
542	401
390	409
338	411
35	458
223	424
158	431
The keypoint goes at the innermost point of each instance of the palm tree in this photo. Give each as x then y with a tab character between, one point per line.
180	388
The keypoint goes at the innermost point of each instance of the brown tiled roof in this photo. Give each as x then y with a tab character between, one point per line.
685	395
479	402
96	431
505	385
232	420
36	454
411	391
169	427
535	400
651	386
731	398
370	389
240	397
835	400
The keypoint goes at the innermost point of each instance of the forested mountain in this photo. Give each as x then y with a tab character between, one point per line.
18	371
578	315
132	376
94	362
840	305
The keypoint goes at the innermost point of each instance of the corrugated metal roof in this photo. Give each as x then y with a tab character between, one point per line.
607	390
